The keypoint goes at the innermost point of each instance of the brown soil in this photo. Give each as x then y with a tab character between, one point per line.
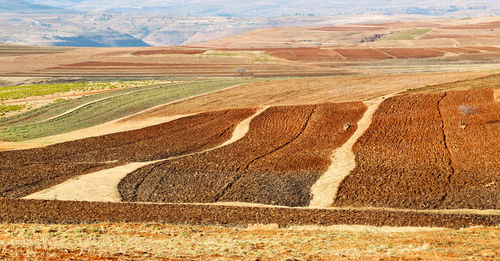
304	54
404	53
169	51
423	159
71	212
457	50
44	167
475	156
490	25
349	28
304	91
355	54
284	152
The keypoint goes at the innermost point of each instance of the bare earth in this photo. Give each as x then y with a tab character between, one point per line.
102	186
343	161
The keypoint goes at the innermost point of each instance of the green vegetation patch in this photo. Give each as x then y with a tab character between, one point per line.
24	91
409	35
9	108
106	110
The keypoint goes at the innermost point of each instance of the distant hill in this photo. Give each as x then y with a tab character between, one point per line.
23	7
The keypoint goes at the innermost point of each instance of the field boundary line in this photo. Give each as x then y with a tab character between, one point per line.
125	118
98	100
343	160
102	186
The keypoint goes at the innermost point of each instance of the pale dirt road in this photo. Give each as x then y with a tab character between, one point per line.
103	185
343	161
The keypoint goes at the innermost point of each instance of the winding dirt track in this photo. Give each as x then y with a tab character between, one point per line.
343	161
416	155
285	151
24	172
102	186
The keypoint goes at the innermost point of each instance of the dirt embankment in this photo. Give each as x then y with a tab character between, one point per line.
71	212
415	154
285	151
26	171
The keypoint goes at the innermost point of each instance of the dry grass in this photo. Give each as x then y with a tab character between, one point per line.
156	241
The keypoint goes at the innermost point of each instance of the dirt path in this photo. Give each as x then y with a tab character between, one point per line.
127	123
97	186
102	186
99	100
343	161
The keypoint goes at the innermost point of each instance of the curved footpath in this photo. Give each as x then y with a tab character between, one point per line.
343	161
127	123
102	186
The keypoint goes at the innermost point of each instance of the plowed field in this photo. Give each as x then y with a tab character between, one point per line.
285	151
362	54
26	171
304	54
414	155
169	51
80	212
403	53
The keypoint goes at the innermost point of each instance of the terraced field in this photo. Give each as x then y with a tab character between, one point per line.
416	155
285	151
26	171
101	108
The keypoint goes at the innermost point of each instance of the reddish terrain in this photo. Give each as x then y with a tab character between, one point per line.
26	171
301	137
415	154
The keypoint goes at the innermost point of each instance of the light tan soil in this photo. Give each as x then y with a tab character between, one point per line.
343	161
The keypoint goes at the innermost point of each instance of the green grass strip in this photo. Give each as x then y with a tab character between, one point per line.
8	108
113	108
62	105
24	91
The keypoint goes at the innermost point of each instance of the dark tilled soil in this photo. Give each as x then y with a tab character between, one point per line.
26	171
415	155
77	212
285	152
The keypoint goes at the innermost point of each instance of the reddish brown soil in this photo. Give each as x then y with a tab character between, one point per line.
71	212
304	54
26	171
412	52
490	25
474	150
456	36
355	54
169	51
415	156
457	50
487	48
286	150
24	253
108	64
22	180
350	28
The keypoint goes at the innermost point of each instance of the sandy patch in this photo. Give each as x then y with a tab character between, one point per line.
496	95
97	186
103	185
343	161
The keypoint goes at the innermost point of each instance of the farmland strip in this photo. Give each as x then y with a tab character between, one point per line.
415	154
343	162
286	150
57	163
78	212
